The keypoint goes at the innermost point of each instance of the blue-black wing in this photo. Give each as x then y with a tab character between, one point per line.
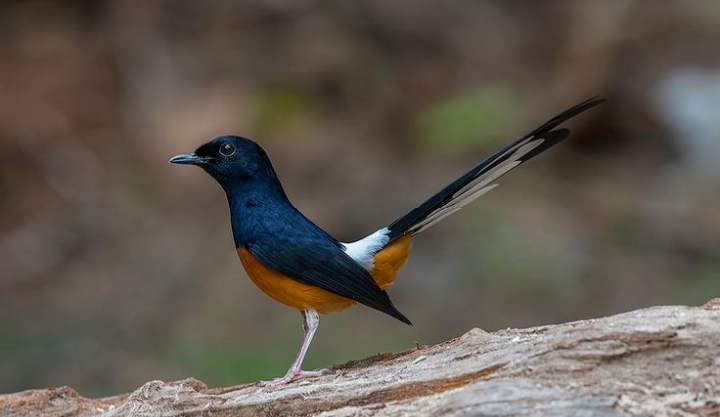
305	254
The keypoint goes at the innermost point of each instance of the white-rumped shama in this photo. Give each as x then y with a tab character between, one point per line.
300	265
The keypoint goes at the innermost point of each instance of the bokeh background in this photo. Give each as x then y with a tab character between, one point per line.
117	268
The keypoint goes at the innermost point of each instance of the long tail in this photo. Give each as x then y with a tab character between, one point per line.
479	179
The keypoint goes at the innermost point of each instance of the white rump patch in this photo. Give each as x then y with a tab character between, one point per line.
363	250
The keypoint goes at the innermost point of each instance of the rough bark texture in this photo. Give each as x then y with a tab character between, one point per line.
657	361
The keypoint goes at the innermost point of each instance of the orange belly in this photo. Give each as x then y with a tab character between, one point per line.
387	263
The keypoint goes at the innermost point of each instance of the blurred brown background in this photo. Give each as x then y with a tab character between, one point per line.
117	268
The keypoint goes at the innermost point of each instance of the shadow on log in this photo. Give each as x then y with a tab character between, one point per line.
655	361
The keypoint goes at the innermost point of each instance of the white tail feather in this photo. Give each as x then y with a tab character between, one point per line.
447	210
479	185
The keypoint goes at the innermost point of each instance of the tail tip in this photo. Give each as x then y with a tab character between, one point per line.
400	316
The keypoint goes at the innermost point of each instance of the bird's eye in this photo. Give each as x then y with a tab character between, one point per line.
227	149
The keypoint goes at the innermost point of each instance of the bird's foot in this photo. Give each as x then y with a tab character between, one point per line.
295	375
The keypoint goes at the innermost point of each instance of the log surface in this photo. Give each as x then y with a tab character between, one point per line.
651	362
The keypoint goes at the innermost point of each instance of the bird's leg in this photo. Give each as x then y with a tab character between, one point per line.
311	320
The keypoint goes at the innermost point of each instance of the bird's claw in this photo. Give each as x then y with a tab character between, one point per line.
295	375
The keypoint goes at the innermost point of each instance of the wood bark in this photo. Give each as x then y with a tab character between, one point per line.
652	362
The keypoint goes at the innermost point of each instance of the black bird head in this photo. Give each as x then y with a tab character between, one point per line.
229	159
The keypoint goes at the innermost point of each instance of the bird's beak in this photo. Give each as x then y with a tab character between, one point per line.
189	159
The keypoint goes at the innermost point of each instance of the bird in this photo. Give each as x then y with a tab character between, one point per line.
302	266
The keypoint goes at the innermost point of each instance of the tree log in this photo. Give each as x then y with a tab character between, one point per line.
651	362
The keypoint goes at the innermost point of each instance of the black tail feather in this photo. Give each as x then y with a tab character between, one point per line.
473	183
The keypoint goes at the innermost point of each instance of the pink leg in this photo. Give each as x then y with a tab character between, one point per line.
311	320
